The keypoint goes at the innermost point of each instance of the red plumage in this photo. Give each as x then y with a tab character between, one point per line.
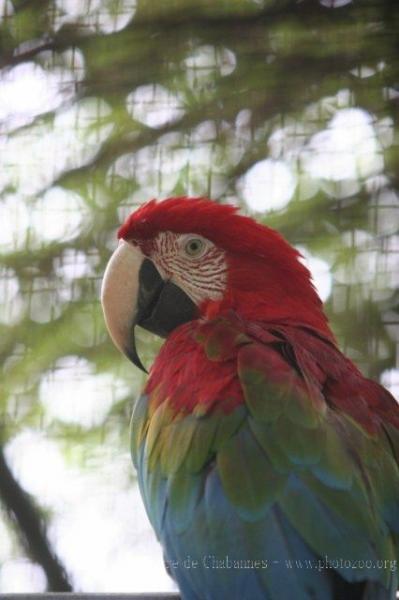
327	376
266	277
271	291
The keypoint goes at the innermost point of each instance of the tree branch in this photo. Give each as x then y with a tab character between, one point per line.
31	528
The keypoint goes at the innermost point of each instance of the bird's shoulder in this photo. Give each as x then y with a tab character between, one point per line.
208	365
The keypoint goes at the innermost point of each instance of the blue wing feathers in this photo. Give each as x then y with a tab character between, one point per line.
268	509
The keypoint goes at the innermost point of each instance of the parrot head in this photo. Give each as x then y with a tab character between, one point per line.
188	258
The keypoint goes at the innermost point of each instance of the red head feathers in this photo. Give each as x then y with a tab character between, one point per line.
266	282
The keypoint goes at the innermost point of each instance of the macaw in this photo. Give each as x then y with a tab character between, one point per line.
267	463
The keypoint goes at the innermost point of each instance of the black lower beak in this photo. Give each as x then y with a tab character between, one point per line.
161	307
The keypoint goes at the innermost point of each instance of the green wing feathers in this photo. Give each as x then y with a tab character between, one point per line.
275	438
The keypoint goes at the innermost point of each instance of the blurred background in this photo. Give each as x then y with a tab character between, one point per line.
287	108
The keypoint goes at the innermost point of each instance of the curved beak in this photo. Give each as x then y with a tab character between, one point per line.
134	293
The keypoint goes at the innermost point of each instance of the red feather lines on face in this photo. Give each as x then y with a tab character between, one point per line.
266	279
201	279
207	275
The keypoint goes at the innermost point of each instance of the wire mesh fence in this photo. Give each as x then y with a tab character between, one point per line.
287	109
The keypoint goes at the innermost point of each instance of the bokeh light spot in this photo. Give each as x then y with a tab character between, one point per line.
268	185
154	105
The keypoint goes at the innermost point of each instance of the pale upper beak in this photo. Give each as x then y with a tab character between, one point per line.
119	294
134	293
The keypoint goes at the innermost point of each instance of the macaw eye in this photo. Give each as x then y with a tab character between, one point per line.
194	247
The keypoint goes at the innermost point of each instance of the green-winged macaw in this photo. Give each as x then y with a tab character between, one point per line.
267	463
